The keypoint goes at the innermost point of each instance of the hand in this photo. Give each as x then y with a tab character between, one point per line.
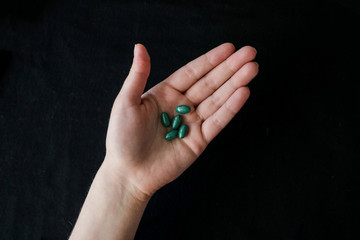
213	85
138	159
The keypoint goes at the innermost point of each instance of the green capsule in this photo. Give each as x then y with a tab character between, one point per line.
171	135
165	119
176	122
183	131
182	109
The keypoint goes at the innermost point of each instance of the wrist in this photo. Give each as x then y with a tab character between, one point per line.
112	209
119	183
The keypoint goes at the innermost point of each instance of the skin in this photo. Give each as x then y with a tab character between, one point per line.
138	160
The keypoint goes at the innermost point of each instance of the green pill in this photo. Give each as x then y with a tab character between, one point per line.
182	109
176	122
171	135
183	131
165	119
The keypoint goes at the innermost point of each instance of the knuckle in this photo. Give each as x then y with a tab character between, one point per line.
217	122
215	101
231	66
209	84
190	72
211	59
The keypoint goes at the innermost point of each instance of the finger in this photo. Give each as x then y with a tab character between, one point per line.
214	79
217	121
186	76
135	82
240	79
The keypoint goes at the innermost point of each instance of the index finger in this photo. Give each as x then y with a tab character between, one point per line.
186	76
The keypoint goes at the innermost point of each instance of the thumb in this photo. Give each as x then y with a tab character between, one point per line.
135	82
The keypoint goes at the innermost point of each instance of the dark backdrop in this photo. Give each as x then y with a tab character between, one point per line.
285	168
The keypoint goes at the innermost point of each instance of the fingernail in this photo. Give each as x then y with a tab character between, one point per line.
257	63
135	48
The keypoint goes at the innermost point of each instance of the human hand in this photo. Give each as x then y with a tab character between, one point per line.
213	85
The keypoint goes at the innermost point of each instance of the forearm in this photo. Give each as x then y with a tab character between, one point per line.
110	211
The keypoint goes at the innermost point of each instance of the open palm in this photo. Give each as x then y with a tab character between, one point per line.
213	86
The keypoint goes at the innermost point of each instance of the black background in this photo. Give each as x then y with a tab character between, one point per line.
286	167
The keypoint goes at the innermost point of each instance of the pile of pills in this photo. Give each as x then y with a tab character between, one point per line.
176	130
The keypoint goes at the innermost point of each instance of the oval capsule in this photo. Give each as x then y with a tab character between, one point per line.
182	109
165	119
176	122
171	135
183	131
